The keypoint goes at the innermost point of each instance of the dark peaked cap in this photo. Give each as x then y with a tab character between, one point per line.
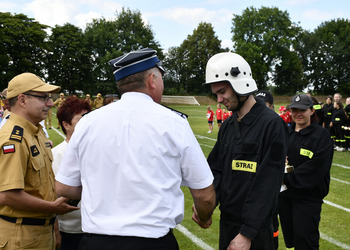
134	62
265	95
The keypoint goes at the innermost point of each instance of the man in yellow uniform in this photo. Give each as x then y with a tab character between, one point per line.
58	103
49	118
98	102
28	202
88	98
5	103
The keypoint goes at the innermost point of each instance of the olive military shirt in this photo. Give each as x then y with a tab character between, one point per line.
25	163
98	103
59	102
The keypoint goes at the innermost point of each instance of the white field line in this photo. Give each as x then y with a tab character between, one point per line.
334	241
204	137
209	146
194	238
337	206
58	132
342	166
336	179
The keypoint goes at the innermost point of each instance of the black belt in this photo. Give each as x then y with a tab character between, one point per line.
29	221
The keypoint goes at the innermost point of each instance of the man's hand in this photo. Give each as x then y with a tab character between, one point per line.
195	218
60	206
240	242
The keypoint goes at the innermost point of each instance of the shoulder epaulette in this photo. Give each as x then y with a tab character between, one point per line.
184	116
17	134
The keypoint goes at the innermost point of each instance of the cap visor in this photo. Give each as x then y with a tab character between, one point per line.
299	106
47	88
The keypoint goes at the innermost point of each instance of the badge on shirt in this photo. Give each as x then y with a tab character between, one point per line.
8	149
34	150
17	134
306	153
248	166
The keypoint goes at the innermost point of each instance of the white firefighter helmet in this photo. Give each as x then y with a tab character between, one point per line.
231	67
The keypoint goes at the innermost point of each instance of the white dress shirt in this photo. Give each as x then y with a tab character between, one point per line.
131	157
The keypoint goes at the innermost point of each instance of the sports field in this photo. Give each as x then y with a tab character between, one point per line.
335	216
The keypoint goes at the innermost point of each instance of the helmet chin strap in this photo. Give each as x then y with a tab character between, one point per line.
240	103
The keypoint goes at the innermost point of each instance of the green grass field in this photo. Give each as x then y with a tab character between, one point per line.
335	217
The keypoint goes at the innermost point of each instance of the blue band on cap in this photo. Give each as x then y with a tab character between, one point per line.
136	67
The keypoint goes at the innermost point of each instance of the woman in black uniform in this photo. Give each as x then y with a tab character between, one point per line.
310	153
328	110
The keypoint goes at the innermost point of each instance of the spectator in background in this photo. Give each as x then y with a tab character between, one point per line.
110	98
98	102
70	233
218	115
2	108
59	101
225	114
328	110
5	103
337	97
267	97
285	115
281	109
347	127
310	154
347	108
131	195
210	117
339	118
318	110
88	99
48	120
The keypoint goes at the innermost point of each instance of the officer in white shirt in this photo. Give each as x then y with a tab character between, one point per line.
127	161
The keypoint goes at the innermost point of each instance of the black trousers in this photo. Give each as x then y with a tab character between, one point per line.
70	241
300	218
108	242
230	229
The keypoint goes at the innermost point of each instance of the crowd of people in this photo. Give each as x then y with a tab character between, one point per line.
220	114
115	181
332	115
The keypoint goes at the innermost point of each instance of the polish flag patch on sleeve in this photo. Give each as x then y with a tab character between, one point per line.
8	149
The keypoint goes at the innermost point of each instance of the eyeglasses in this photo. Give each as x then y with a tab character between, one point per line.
45	98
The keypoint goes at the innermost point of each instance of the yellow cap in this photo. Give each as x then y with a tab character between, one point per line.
29	82
99	95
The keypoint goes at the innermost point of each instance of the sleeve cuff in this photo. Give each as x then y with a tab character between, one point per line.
248	231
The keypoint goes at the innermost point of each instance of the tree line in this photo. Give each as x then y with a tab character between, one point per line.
284	57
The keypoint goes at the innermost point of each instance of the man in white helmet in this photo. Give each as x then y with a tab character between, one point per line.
248	158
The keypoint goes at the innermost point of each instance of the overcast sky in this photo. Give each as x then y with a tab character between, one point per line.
172	21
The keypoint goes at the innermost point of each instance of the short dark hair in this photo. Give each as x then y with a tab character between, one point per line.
340	104
136	81
13	101
132	82
70	107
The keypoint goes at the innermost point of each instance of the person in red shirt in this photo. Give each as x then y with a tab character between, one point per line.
285	115
219	117
225	114
210	117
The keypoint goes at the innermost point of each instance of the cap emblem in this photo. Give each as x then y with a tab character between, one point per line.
297	99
